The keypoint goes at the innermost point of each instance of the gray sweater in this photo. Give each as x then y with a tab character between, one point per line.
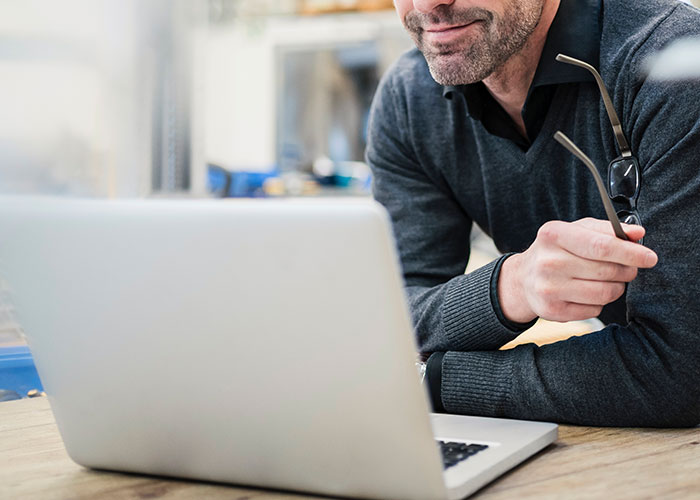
437	170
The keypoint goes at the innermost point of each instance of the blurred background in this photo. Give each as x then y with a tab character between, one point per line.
184	98
189	98
132	98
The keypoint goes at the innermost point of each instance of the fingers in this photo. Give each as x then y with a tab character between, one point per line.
590	270
586	239
633	232
568	311
555	300
592	293
571	271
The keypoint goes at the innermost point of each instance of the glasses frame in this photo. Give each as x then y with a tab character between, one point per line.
623	146
631	201
622	143
562	139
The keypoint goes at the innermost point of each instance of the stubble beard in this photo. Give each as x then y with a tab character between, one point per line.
493	41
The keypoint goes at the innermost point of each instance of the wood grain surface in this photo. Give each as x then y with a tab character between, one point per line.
584	463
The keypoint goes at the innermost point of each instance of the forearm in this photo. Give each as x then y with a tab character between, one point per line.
614	377
461	315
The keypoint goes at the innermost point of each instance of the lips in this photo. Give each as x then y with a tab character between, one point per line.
441	29
443	34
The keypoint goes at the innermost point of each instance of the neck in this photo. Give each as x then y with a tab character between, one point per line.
510	83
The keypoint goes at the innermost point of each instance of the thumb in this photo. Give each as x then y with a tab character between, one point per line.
634	232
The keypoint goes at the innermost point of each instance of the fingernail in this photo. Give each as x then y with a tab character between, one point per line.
651	259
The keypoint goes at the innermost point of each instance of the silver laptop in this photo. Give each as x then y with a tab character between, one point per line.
263	343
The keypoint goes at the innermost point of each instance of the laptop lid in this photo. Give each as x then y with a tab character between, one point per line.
256	342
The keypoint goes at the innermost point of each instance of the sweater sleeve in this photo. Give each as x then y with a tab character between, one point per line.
641	373
450	310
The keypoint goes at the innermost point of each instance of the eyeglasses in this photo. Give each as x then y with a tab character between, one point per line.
624	177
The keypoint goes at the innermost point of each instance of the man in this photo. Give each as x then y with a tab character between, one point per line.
461	132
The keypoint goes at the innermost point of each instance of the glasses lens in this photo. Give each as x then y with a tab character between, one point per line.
623	179
627	217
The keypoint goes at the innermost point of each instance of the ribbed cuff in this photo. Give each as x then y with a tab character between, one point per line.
433	380
514	327
477	383
469	317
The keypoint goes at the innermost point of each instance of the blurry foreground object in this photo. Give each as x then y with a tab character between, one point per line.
679	61
98	97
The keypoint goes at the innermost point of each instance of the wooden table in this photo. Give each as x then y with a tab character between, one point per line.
585	462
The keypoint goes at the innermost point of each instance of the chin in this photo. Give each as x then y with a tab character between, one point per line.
456	69
452	74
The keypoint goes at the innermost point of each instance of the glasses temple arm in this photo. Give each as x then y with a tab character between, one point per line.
609	210
612	115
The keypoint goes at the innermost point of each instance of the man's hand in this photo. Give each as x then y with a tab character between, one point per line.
571	271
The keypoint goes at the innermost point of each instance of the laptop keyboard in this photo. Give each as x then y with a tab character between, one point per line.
453	453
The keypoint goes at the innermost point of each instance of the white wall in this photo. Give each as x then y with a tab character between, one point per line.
242	79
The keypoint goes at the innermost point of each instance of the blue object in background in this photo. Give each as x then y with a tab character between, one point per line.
218	180
225	183
17	370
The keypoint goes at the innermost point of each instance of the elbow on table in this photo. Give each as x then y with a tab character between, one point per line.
678	416
680	407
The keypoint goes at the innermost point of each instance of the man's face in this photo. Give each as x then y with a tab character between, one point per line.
464	41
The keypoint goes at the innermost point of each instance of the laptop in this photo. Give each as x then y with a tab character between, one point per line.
261	343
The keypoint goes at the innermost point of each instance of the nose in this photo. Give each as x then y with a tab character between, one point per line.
426	6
